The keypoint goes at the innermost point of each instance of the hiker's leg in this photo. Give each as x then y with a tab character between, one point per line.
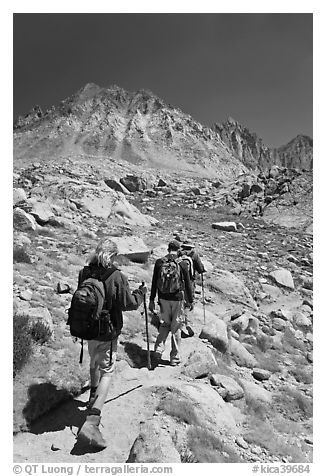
106	358
93	364
176	325
165	327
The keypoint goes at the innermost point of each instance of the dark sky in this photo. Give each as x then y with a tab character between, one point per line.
256	68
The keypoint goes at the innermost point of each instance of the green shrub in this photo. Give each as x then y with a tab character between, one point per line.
20	255
22	342
40	332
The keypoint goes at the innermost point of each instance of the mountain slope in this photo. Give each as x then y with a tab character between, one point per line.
249	148
137	127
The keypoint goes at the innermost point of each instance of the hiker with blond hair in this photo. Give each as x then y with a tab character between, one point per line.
102	349
171	282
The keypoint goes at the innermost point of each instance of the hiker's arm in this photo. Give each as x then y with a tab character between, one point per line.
187	283
154	282
128	300
198	265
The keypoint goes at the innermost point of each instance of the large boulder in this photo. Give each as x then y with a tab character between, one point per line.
230	287
245	323
153	445
215	331
210	408
42	212
19	196
116	205
283	277
199	362
225	226
132	247
253	391
133	183
241	355
23	221
114	184
227	387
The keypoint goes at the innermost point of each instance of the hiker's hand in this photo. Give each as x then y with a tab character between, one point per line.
151	306
143	288
191	306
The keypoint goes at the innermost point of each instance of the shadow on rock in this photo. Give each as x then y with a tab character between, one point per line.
81	449
136	354
42	398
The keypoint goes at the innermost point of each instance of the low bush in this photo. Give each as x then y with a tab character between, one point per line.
20	255
290	342
40	332
301	374
22	342
293	403
207	448
179	408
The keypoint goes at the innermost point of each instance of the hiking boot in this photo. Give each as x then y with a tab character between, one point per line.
89	433
174	363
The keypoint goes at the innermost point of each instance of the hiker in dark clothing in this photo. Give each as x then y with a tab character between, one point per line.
118	298
171	304
187	250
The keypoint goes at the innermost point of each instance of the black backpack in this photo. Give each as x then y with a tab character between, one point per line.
169	279
88	317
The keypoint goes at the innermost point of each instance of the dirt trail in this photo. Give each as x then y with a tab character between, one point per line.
130	401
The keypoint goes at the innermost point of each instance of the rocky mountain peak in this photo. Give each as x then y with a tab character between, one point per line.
255	155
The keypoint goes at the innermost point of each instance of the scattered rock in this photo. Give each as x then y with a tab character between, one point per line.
116	185
241	355
261	374
153	445
23	221
132	247
301	320
255	392
26	295
133	183
241	442
279	324
215	331
231	390
199	363
283	277
42	212
225	226
246	323
225	283
19	195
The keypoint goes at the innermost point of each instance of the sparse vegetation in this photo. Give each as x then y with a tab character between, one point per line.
207	448
40	332
22	342
175	405
20	255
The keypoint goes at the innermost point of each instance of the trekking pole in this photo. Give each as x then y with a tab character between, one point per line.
149	365
203	294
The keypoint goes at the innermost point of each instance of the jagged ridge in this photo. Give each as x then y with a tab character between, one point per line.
248	148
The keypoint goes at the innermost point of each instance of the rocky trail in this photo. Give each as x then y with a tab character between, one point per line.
243	392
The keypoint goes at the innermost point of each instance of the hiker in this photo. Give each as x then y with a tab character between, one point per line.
188	254
118	298
171	281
